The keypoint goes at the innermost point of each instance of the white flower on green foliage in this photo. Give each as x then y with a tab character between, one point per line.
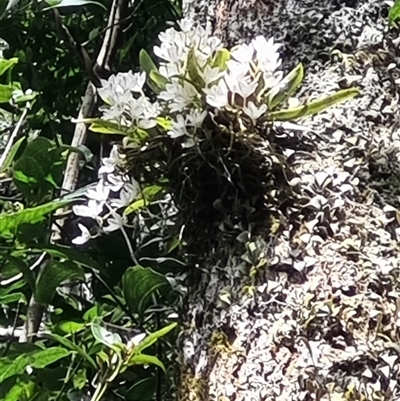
84	237
210	75
254	112
114	222
100	193
217	95
115	190
179	127
93	209
196	117
128	193
179	95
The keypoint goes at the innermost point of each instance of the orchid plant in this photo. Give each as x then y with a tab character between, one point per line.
197	79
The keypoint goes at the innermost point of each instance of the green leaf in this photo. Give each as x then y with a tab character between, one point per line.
292	82
71	3
11	155
21	391
193	70
37	359
28	171
142	389
153	337
7	64
394	13
146	62
147	196
221	59
23	268
79	379
139	284
106	127
164	122
53	274
65	252
314	107
19	96
160	81
6	92
10	298
10	222
70	327
143	359
67	343
103	336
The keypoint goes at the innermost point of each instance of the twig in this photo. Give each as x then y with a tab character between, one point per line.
12	137
103	61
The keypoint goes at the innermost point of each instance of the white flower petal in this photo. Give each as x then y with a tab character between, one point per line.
84	237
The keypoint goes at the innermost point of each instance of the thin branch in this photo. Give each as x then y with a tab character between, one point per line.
12	137
103	61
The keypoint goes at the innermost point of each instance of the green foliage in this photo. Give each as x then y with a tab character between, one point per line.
37	359
313	107
11	221
52	276
140	285
394	13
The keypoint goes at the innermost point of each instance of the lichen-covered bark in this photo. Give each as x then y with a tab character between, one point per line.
321	318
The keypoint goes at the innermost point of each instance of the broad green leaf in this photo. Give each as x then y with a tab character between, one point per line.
38	359
158	79
6	92
65	252
11	155
314	107
39	149
10	298
70	327
106	128
71	3
27	170
7	64
104	336
10	222
139	284
291	83
67	343
143	359
52	276
91	313
221	59
21	391
147	196
48	356
142	389
146	62
62	252
153	337
394	13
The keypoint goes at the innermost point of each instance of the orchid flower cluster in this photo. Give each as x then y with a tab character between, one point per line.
106	202
196	75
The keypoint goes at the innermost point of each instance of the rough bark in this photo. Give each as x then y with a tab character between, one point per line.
323	320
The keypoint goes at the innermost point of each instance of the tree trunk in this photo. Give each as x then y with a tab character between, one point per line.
316	316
